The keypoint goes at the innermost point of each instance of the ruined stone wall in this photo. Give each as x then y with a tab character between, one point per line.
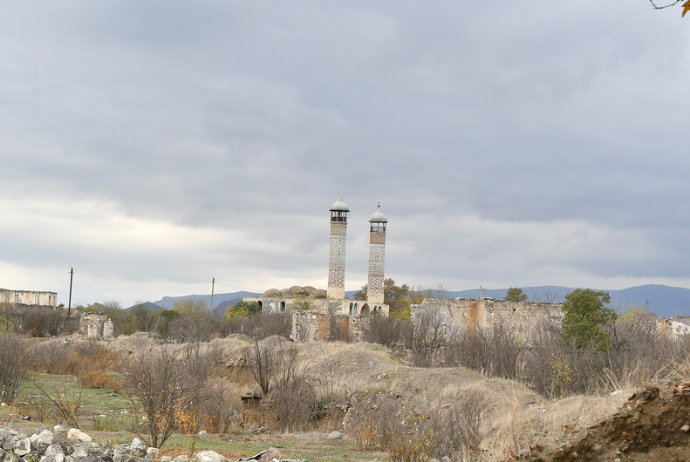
320	327
281	304
459	315
304	327
96	326
674	327
29	297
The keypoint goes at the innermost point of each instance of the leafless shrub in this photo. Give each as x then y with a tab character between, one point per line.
169	388
53	357
495	351
65	408
415	430
15	361
388	331
338	330
189	329
266	325
469	348
637	351
218	414
430	334
505	352
295	403
262	364
556	369
41	321
282	375
92	364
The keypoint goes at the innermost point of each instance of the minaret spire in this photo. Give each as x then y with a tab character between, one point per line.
377	258
336	264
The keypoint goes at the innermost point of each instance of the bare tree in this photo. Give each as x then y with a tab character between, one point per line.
15	360
168	387
294	396
430	334
261	362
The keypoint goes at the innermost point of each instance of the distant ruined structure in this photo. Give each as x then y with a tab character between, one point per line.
674	327
454	316
96	326
323	315
319	315
29	297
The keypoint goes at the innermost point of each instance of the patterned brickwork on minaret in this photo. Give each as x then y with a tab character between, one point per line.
377	257
336	265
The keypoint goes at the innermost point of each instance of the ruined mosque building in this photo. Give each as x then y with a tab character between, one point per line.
319	315
333	301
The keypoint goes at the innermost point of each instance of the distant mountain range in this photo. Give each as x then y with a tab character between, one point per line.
168	302
665	301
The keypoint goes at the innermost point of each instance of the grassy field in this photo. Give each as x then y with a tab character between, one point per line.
110	419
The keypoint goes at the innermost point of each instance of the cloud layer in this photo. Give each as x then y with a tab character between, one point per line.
155	146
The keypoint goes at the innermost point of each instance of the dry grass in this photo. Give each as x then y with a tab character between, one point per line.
514	417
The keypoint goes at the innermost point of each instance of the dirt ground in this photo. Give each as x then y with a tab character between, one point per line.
519	424
654	425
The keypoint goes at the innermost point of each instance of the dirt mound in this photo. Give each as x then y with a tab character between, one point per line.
653	425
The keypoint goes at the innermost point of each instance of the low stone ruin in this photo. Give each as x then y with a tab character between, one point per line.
95	326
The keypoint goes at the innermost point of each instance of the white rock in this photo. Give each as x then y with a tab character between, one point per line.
335	435
45	437
138	447
74	434
54	453
22	446
152	453
80	451
208	456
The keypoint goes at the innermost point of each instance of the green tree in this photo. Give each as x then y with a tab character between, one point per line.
7	323
242	309
586	316
515	294
398	298
165	318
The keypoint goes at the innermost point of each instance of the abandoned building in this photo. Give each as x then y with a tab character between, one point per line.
96	326
451	316
333	300
314	309
29	297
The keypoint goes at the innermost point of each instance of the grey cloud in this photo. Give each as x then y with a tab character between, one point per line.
254	117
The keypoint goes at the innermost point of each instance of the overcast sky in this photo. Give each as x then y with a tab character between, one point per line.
155	145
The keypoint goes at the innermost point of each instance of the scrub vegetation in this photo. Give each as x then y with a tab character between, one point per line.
411	392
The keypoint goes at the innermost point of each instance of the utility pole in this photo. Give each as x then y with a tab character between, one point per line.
69	305
213	287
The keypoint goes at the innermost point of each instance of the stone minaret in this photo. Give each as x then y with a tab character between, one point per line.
336	264
377	257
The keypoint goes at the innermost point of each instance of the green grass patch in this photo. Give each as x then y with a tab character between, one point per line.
97	409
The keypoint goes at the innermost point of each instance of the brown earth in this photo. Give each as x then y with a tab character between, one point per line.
654	425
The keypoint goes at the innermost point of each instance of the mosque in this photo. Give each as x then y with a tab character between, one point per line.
334	301
336	267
